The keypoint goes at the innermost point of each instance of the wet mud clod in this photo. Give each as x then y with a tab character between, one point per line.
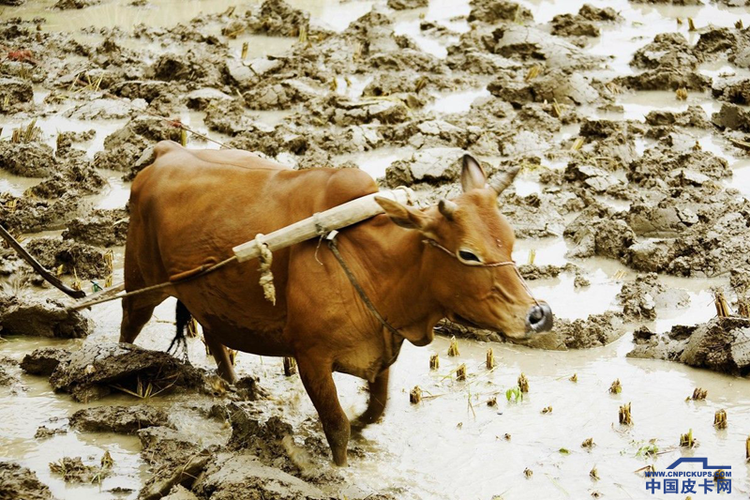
19	482
119	419
97	370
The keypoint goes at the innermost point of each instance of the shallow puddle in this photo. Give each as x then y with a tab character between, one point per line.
457	102
376	162
637	105
15	184
469	457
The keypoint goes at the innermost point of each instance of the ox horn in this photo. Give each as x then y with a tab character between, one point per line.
503	180
447	208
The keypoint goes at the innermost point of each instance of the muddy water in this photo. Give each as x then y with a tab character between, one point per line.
452	445
167	13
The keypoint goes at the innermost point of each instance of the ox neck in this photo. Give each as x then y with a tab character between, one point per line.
389	264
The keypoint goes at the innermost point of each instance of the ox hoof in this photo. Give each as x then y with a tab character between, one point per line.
340	459
359	424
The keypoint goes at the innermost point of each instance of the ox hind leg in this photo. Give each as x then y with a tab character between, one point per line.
218	350
376	404
318	381
221	355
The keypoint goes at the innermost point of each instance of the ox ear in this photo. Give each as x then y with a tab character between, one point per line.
402	215
472	174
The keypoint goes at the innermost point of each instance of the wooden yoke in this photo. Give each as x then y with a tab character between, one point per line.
321	223
262	246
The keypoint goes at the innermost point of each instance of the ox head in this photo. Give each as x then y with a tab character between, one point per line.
468	257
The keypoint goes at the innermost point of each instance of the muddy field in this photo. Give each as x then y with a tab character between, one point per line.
630	119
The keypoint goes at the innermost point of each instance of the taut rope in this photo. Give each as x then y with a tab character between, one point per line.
180	278
331	237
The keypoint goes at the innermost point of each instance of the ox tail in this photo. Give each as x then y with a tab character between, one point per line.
179	342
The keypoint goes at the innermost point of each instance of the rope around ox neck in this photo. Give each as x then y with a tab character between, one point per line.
362	294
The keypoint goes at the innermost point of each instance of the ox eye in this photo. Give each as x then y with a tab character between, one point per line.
468	257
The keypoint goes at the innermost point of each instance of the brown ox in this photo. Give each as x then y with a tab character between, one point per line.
191	207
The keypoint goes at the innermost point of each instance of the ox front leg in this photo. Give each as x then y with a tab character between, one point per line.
318	381
135	315
376	404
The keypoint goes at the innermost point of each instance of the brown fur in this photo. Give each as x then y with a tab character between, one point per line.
191	207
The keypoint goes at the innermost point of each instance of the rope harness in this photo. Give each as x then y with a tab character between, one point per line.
181	278
266	278
331	238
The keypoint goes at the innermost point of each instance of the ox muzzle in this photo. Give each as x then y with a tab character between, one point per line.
539	319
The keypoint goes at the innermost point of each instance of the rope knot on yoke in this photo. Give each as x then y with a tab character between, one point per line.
320	229
265	258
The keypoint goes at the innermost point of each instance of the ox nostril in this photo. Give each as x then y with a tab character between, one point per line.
536	315
539	318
